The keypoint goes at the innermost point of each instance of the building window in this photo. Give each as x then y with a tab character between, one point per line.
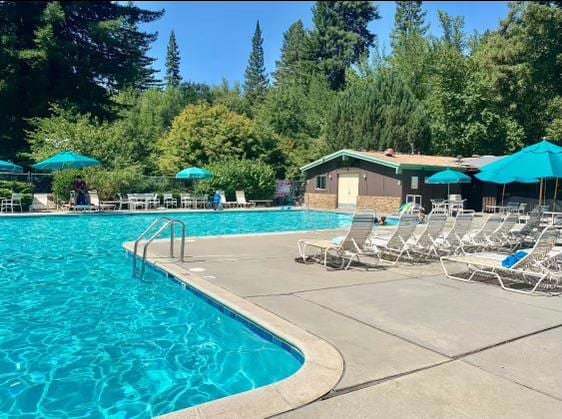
321	182
414	182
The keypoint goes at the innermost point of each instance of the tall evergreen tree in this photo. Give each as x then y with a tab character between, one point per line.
341	36
76	54
173	76
255	78
409	18
293	52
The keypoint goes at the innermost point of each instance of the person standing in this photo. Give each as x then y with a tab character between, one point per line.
80	190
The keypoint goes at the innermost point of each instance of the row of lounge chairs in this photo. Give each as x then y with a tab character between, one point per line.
483	252
46	202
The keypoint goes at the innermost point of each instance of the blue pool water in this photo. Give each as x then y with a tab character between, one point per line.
80	337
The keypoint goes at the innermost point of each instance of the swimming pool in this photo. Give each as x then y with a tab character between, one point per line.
80	337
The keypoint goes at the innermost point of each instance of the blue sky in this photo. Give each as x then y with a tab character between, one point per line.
215	37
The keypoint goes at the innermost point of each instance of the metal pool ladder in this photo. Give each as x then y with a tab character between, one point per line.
163	223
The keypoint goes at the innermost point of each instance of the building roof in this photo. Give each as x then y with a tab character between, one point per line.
397	161
480	162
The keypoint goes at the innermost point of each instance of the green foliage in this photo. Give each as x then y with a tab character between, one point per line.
231	97
293	54
341	36
203	134
74	54
255	78
378	114
409	19
84	134
255	178
173	76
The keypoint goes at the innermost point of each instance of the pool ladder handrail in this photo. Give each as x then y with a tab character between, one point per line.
169	222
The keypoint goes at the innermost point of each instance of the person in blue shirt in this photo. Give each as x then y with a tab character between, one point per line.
216	204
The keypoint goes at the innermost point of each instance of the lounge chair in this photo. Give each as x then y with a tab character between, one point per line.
241	200
42	202
349	247
11	203
453	241
100	205
501	237
225	203
481	239
396	245
186	200
530	231
169	200
530	269
426	243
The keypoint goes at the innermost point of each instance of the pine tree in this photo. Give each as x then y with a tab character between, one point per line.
255	78
341	36
173	76
293	52
409	18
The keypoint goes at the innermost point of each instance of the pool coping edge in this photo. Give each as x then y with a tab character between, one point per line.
322	368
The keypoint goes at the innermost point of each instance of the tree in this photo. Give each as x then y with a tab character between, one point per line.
255	79
75	54
453	27
341	36
173	76
377	114
409	18
293	53
203	134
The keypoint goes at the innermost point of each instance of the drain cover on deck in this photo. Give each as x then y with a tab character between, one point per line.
197	270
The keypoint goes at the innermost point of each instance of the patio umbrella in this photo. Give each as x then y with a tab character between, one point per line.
542	160
447	177
8	166
66	160
194	173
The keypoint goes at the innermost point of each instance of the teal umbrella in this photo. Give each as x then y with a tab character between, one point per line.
542	160
538	161
195	173
8	166
66	160
447	177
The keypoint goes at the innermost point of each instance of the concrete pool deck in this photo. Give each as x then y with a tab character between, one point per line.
413	343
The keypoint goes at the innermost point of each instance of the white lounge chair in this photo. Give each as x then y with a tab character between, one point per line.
396	245
530	270
349	248
225	203
453	241
481	239
501	237
42	202
426	243
100	205
241	200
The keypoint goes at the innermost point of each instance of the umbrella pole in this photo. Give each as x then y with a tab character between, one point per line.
540	193
554	198
503	192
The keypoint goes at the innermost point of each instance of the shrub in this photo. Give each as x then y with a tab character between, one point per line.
254	177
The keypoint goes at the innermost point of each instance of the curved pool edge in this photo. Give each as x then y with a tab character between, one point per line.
322	368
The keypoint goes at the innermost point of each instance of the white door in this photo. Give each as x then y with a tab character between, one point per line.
348	189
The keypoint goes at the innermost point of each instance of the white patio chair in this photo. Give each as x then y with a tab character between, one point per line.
11	203
241	200
396	245
169	200
43	202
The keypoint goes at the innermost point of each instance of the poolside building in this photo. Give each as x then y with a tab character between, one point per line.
382	181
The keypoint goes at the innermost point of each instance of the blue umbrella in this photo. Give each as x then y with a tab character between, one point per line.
447	177
542	160
8	166
66	160
194	173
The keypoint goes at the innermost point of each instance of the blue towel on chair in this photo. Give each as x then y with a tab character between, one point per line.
511	260
337	240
